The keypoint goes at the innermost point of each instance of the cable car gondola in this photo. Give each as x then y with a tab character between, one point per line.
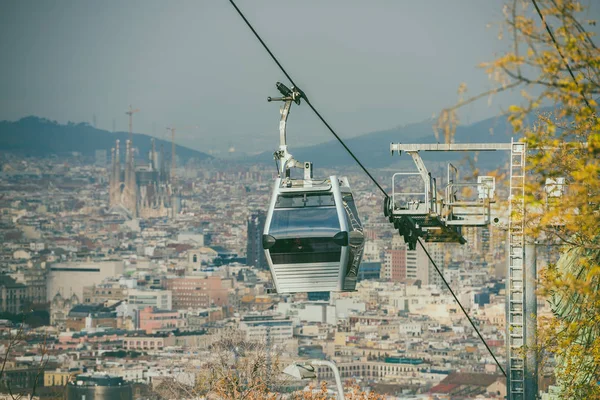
313	237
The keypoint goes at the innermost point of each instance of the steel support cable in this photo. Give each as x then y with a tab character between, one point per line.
461	307
363	168
549	30
306	99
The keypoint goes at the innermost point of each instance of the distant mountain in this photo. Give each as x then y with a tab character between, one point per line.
41	137
373	149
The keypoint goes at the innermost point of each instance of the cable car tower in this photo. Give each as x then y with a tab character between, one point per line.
421	214
313	237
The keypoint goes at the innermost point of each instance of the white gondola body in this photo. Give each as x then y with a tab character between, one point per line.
313	237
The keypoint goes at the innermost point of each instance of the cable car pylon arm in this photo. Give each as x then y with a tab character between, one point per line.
282	156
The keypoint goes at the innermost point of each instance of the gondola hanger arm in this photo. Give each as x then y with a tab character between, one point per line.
284	158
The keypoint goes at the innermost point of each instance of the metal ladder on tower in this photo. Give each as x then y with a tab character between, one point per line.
515	286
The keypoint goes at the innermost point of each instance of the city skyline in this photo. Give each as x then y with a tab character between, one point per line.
348	62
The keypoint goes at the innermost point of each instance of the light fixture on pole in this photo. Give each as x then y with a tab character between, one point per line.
307	371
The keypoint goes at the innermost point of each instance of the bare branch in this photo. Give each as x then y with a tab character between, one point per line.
482	95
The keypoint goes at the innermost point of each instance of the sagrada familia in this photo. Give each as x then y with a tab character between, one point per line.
144	190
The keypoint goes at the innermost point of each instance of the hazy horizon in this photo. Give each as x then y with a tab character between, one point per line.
366	67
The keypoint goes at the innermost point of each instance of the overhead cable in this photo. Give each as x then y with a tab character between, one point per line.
461	307
363	168
306	99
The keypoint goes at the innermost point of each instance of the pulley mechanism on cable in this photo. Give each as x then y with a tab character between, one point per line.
313	236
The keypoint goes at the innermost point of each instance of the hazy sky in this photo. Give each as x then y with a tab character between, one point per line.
366	65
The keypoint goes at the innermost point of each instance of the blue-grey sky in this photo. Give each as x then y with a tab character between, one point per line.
366	65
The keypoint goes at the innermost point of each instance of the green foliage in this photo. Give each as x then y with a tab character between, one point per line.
573	286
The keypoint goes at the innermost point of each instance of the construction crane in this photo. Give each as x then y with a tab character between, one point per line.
173	163
130	112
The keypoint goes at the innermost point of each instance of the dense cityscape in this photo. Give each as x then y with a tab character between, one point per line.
425	226
128	286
